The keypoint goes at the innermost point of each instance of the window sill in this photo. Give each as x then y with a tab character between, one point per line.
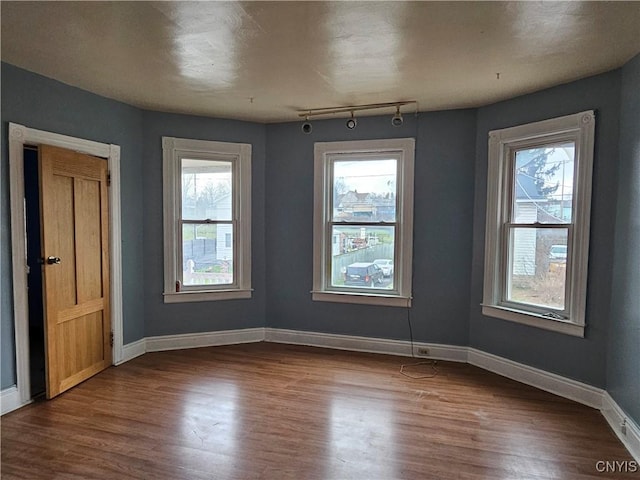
206	296
534	320
361	298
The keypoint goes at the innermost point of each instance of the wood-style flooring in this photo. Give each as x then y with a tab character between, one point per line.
269	411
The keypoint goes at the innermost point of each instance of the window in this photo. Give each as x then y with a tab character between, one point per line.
207	220
538	210
363	222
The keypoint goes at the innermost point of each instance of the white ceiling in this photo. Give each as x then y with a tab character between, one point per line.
264	61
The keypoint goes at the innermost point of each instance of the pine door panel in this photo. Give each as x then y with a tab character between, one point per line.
76	289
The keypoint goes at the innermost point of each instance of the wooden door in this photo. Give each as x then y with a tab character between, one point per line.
74	209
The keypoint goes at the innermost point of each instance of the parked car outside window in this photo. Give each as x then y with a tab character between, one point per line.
386	265
363	274
558	253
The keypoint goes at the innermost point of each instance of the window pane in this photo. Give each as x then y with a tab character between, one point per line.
206	190
543	184
207	254
364	190
362	256
537	266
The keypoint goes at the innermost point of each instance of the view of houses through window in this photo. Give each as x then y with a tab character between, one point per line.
207	222
538	231
363	218
538	212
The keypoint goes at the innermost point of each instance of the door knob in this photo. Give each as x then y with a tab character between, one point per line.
53	260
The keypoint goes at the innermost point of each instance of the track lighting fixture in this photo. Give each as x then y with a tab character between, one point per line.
306	126
351	123
397	119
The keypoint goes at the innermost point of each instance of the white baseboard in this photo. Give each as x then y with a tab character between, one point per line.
365	344
549	382
615	416
10	400
133	350
207	339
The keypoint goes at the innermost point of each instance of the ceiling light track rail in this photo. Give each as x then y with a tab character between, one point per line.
315	112
396	120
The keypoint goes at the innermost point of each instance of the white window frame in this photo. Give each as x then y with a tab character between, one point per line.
324	153
578	128
239	154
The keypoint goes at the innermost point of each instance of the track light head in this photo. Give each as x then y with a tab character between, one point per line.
307	128
397	119
352	122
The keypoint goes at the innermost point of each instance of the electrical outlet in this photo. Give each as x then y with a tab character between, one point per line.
423	351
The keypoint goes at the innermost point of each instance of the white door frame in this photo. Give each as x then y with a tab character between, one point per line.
19	136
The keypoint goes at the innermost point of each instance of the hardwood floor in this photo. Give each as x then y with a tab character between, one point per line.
268	411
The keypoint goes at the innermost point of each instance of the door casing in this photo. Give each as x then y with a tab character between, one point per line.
19	136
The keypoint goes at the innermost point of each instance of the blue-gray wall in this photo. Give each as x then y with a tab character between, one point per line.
450	197
442	229
45	104
623	353
577	358
170	319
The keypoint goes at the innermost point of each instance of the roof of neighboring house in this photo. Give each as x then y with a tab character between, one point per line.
354	197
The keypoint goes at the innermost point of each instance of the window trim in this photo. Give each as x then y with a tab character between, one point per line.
323	151
173	150
579	128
